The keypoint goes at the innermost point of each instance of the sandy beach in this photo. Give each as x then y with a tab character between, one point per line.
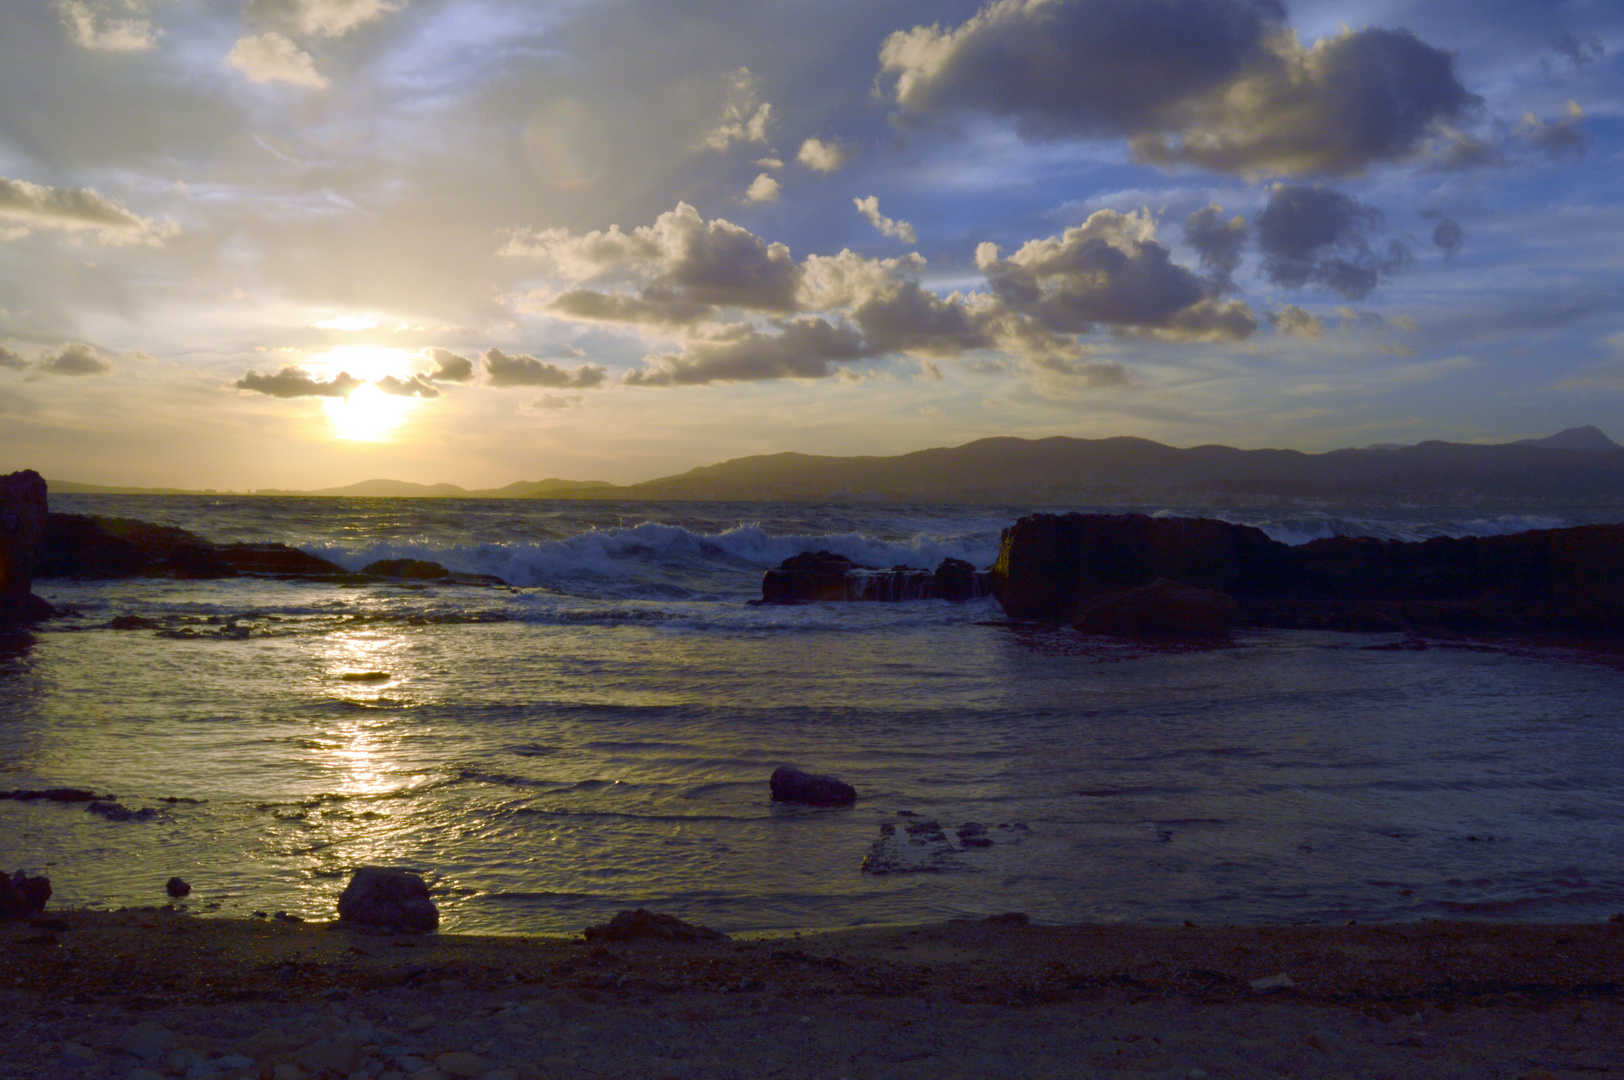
133	995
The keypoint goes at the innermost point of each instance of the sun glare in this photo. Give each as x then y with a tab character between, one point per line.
368	414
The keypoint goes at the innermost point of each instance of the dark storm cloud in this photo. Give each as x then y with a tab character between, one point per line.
75	358
1088	67
1219	84
1312	235
504	370
1219	243
294	381
411	386
1111	271
448	366
1579	49
801	349
1447	235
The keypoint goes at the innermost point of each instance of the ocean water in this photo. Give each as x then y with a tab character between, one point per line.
598	735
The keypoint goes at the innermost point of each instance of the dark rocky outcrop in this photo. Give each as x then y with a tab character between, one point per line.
814	576
1056	568
22	529
22	895
794	786
1162	610
386	897
645	925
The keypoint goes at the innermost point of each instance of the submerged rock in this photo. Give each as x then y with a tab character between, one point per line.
794	786
645	925
22	530
384	896
1162	610
814	576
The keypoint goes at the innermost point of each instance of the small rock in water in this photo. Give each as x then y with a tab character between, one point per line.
795	786
381	896
176	887
23	895
649	925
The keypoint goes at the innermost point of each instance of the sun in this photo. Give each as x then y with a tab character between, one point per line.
367	414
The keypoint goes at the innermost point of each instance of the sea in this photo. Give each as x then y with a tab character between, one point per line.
597	734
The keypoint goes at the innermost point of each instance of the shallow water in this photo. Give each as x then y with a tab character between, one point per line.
599	737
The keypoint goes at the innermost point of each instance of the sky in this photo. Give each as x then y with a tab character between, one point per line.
302	243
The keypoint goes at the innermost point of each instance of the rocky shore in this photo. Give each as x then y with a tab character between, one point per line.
133	995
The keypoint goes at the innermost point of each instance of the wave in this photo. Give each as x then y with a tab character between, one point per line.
654	560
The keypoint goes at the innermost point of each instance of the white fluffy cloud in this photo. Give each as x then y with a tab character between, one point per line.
108	25
273	57
823	156
869	207
83	212
319	18
745	117
763	189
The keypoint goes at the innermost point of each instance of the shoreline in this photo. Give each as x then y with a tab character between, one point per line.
1412	999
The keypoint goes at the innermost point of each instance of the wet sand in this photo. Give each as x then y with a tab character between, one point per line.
98	994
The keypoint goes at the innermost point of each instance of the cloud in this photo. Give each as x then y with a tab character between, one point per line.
1558	138
78	211
108	25
448	366
411	386
271	57
1107	375
900	316
1447	235
318	18
825	157
1218	242
745	117
680	259
1221	84
9	359
548	402
75	358
762	189
654	306
1579	50
1111	270
504	370
294	381
1312	235
802	349
870	208
1293	321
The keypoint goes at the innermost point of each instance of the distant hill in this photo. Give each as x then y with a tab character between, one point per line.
1577	465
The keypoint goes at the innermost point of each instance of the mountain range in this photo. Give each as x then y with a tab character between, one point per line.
1580	464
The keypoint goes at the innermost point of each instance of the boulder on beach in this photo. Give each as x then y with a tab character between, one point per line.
645	925
413	569
388	897
807	577
1162	610
794	786
22	895
817	576
22	530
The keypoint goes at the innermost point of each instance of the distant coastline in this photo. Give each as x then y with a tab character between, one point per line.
1580	465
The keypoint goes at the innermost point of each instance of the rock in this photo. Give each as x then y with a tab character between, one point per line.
645	925
279	561
22	531
339	1055
22	895
793	786
57	794
114	811
146	1040
415	569
78	1054
1161	610
458	1063
176	887
1281	981
819	576
382	896
1049	564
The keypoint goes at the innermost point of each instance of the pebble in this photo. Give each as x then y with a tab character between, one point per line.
462	1065
146	1040
75	1054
